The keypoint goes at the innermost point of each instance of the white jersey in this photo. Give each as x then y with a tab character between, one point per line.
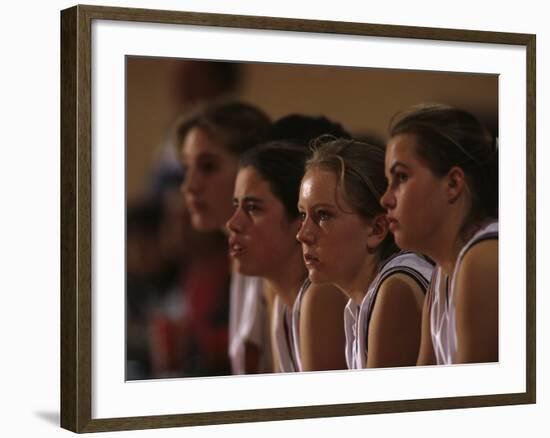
286	333
442	307
296	323
357	318
248	322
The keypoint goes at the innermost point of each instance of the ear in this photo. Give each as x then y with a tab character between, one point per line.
455	183
378	230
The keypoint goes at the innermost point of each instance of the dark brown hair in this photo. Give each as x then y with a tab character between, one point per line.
281	163
448	137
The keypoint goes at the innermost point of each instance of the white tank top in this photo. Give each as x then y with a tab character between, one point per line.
296	323
442	307
286	332
357	318
248	322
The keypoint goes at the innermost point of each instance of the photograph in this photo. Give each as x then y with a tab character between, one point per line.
226	163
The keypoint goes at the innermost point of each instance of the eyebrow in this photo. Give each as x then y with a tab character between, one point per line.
249	199
252	199
396	164
201	156
320	204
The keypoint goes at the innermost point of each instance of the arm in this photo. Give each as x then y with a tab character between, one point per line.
426	355
476	301
394	330
269	296
322	336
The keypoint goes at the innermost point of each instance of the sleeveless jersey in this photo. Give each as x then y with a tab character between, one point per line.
286	333
248	322
357	318
296	323
442	308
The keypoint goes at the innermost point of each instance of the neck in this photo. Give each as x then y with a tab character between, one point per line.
451	242
287	279
358	286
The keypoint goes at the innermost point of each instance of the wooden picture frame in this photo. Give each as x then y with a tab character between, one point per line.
76	218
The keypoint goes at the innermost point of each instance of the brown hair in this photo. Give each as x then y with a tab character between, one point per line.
448	137
360	170
238	126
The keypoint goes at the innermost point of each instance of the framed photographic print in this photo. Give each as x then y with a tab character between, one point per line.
126	76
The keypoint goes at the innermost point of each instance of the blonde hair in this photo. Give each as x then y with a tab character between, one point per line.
360	170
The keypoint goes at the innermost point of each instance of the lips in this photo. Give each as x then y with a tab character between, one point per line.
311	260
236	248
392	224
195	204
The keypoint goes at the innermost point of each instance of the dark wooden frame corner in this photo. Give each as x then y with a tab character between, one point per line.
76	225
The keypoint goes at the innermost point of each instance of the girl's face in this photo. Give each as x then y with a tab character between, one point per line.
416	200
334	238
261	237
209	179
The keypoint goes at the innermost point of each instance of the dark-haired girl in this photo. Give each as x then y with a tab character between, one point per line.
442	200
263	243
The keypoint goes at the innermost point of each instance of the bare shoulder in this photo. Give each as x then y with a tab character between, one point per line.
399	287
478	272
323	296
322	335
395	325
479	258
476	302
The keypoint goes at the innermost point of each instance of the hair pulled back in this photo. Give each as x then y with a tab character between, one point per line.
360	170
238	126
448	137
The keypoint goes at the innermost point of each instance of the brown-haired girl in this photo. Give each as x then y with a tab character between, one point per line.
210	141
442	201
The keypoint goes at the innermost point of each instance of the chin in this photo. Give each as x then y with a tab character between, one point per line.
404	243
201	223
399	239
245	268
317	277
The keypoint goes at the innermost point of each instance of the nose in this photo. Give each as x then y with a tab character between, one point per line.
387	201
191	182
305	233
235	223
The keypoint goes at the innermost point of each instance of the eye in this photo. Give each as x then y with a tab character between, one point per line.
323	215
207	167
401	177
302	216
251	207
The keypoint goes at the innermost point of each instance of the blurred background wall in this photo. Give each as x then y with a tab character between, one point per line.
362	100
